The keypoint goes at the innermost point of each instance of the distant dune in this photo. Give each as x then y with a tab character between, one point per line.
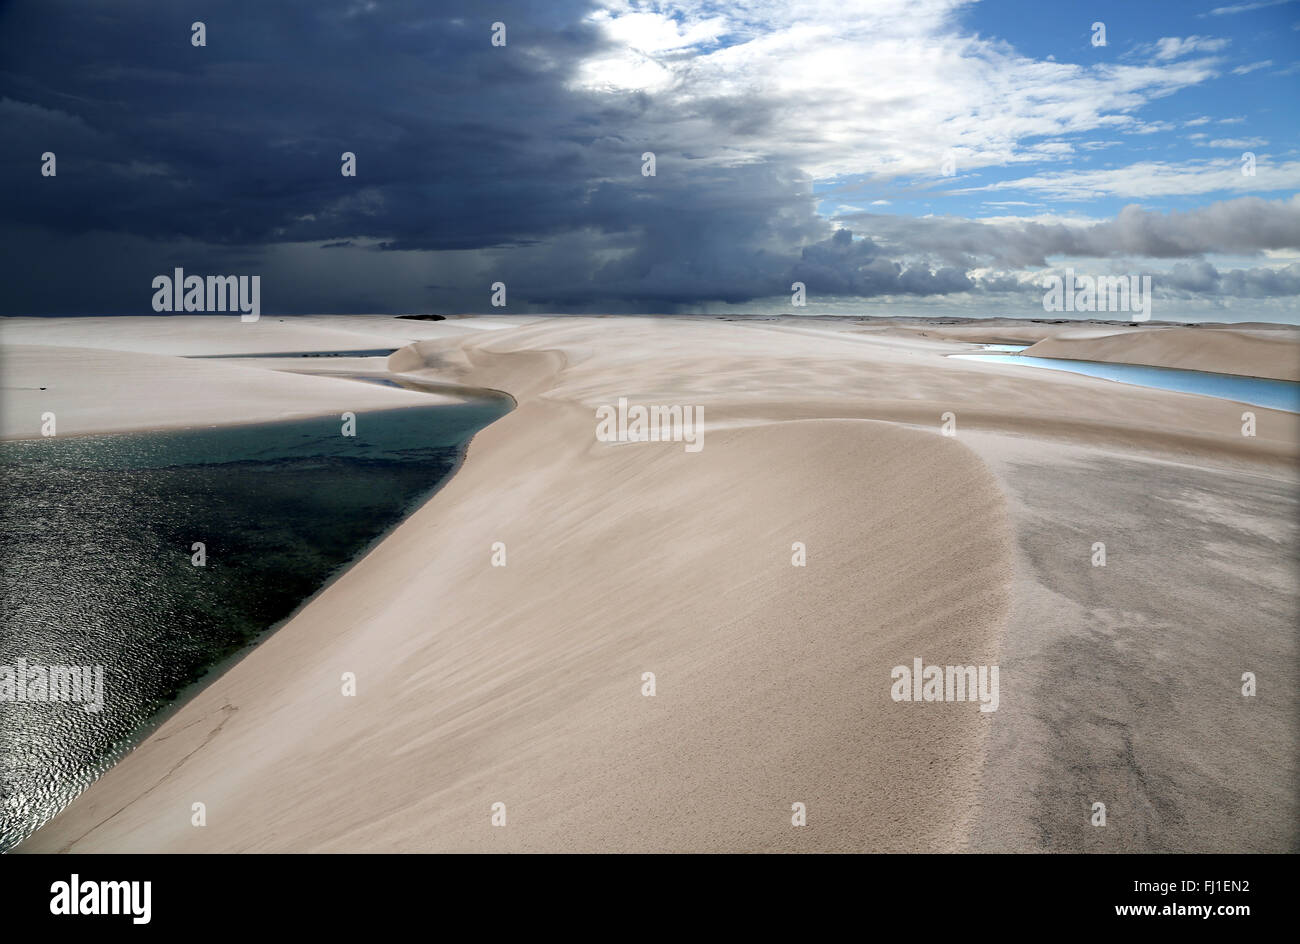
1253	350
1272	352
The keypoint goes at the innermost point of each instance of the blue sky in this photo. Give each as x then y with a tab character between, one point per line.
1250	56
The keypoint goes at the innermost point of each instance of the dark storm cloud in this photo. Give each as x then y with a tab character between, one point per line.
194	154
706	234
844	266
459	144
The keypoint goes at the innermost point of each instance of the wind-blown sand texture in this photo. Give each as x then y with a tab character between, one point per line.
523	684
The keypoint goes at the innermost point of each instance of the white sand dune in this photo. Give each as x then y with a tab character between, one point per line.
1252	349
101	391
1264	352
523	684
101	375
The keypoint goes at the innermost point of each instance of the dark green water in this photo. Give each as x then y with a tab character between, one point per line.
95	563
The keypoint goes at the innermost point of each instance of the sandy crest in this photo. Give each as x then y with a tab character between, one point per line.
523	684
